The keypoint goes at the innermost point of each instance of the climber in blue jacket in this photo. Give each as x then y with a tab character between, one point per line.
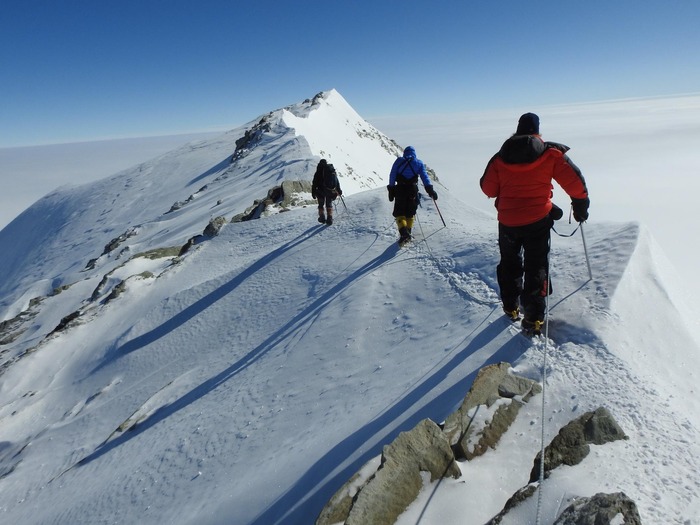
403	190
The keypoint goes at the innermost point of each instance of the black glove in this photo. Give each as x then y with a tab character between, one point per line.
391	189
340	192
313	193
431	192
556	212
580	209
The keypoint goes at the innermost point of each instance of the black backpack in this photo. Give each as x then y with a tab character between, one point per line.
330	178
403	178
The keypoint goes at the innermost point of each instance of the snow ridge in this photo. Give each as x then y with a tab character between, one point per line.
224	175
246	380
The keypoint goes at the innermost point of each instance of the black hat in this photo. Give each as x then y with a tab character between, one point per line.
529	124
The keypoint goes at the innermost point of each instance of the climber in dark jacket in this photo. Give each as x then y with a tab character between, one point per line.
325	188
403	190
520	177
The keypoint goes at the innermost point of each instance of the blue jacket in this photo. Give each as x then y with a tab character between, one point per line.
409	167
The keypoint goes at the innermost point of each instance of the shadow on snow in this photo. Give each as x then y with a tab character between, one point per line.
305	499
315	487
309	313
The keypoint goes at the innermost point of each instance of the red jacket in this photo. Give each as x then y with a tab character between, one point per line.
520	177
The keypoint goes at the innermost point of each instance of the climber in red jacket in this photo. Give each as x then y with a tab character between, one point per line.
520	177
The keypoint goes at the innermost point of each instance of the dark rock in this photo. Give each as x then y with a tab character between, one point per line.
397	482
283	195
116	291
493	384
190	242
515	500
573	441
91	264
65	321
117	241
250	138
569	447
600	509
214	226
338	507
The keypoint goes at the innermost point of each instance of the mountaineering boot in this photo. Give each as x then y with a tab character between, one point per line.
321	216
329	213
532	328
404	235
512	313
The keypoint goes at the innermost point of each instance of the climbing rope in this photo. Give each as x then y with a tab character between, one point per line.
542	437
544	388
424	238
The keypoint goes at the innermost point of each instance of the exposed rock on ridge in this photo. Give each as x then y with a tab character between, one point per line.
380	498
573	442
380	495
601	508
490	407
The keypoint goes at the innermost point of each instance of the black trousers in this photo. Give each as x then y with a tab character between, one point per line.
523	273
326	199
405	200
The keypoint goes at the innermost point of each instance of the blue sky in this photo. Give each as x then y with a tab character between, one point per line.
79	70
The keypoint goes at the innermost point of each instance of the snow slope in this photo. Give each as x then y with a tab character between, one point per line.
244	382
55	238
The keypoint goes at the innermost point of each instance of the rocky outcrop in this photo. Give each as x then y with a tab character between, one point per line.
490	407
111	246
11	329
66	321
293	193
290	193
397	482
338	507
569	447
214	227
380	495
117	241
601	508
485	414
573	441
211	230
180	204
251	137
515	500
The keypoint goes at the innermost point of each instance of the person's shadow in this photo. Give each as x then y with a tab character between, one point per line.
306	315
303	501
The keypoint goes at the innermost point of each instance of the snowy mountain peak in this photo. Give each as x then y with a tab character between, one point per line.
168	200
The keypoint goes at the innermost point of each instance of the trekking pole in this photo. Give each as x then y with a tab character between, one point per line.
585	251
440	214
343	201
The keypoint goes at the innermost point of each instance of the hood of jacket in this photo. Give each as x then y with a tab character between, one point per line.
522	149
409	153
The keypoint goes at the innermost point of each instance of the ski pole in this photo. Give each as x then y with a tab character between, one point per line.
440	214
343	201
585	251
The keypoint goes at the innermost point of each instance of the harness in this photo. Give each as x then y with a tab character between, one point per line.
403	180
